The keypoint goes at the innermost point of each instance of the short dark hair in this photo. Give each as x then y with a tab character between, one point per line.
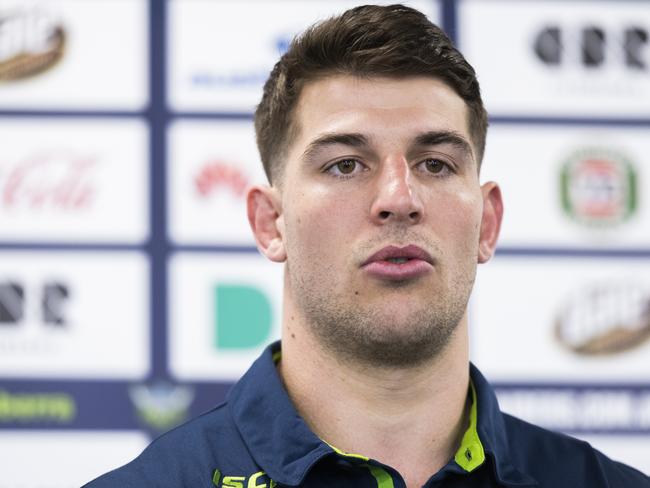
390	41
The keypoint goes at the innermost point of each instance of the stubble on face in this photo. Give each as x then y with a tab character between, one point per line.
330	227
389	325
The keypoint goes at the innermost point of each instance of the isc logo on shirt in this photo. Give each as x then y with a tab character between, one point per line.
256	480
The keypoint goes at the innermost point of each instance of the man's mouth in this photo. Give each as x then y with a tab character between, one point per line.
399	263
400	255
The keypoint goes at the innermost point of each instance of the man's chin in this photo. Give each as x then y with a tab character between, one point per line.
390	336
402	306
397	349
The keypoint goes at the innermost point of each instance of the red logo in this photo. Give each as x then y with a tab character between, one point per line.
218	174
57	180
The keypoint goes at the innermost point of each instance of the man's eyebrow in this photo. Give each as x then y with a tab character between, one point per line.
434	138
347	139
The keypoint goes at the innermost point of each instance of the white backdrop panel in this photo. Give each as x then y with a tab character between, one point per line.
251	287
499	38
74	180
559	319
604	211
210	165
220	53
74	315
104	62
45	459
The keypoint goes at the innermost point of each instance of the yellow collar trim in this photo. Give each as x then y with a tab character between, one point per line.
347	454
470	455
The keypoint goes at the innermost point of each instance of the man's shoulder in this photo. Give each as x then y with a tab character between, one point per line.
556	459
185	456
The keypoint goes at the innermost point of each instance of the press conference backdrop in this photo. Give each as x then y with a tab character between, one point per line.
131	292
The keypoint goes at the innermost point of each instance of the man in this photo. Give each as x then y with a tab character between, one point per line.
371	130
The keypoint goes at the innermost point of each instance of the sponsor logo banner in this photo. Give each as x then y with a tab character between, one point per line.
562	320
616	422
580	411
30	407
207	73
50	49
211	164
73	315
64	459
578	188
559	58
224	309
68	180
605	318
599	186
32	41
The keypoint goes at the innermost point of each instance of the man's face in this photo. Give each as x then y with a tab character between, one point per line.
381	216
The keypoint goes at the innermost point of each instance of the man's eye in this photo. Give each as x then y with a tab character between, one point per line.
435	166
345	167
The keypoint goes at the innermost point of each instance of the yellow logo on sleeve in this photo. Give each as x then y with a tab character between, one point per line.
256	480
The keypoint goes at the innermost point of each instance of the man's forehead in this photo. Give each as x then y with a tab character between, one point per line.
381	91
350	104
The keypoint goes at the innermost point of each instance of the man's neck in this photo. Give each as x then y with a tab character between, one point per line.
411	419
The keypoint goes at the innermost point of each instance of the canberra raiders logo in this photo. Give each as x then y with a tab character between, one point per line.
598	187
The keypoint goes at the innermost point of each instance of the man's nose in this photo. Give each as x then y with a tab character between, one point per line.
395	199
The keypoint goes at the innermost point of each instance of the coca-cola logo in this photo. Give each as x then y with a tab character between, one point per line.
216	175
31	41
54	179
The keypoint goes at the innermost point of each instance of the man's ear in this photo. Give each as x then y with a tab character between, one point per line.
490	221
265	218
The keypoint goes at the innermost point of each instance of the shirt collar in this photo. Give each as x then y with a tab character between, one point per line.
492	432
285	448
276	436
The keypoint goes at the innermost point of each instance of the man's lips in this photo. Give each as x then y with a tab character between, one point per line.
399	263
394	252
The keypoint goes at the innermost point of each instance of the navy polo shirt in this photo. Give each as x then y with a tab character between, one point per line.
257	439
